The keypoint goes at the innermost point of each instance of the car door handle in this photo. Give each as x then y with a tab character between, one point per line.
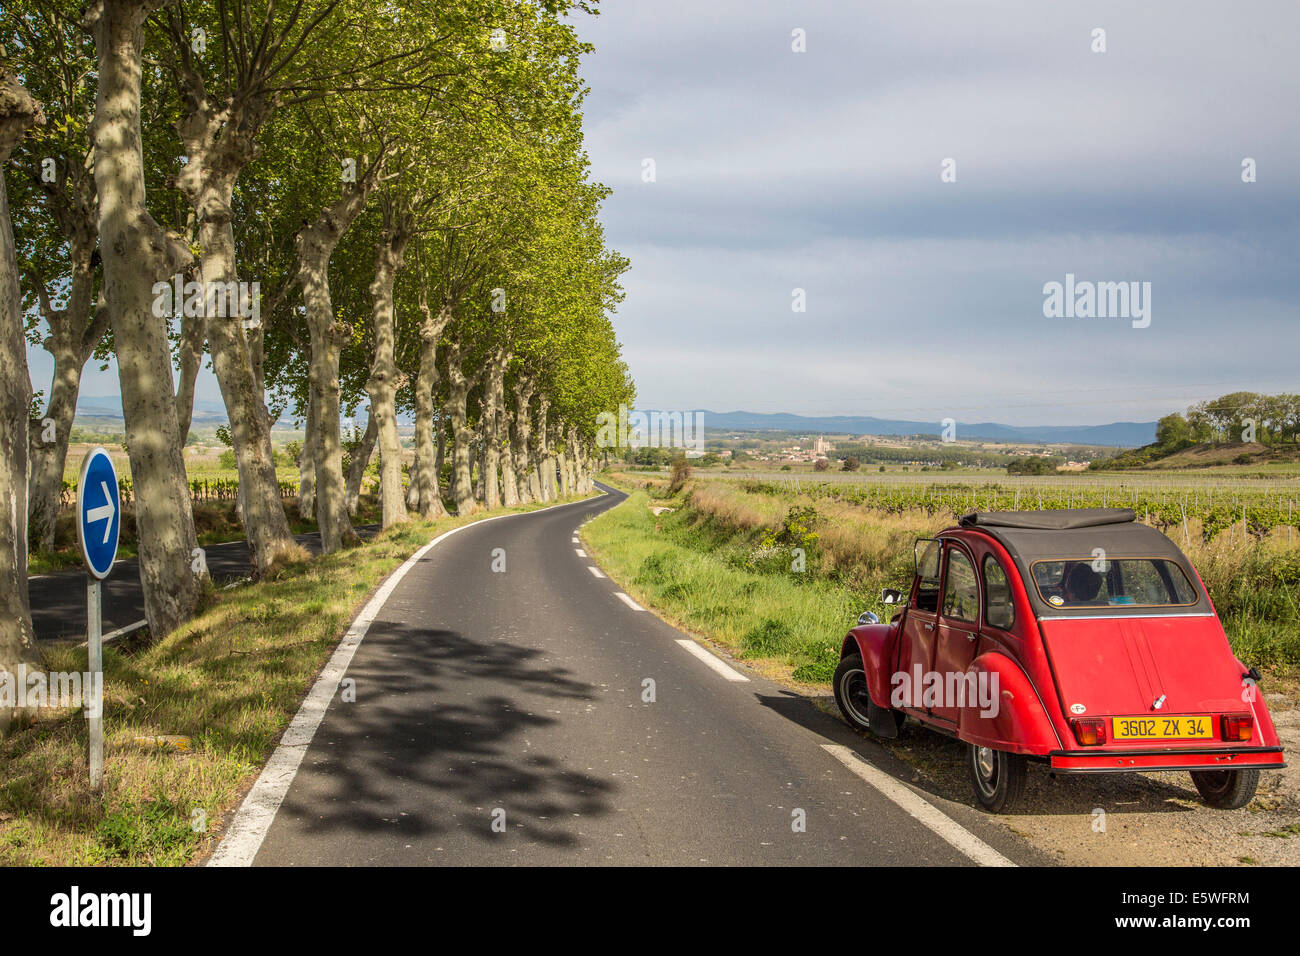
928	627
971	637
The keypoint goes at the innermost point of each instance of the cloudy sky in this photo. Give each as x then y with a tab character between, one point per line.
776	170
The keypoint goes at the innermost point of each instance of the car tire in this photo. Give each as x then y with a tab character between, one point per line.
1226	789
997	777
851	696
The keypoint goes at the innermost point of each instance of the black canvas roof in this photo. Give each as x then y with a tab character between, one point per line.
1063	519
1076	533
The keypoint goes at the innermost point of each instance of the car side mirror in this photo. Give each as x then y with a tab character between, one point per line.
866	617
891	596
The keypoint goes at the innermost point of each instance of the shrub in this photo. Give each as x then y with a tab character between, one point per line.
796	529
681	470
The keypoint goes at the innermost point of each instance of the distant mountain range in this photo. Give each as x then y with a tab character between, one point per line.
1118	434
110	406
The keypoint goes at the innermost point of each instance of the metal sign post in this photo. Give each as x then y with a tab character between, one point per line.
99	521
95	667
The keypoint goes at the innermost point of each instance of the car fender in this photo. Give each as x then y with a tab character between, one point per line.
1017	721
874	643
1253	701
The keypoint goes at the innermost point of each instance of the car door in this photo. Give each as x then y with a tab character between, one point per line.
917	639
957	632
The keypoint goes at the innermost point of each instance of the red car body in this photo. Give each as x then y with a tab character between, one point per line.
1112	668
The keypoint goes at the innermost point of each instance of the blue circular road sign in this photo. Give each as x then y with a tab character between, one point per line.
99	512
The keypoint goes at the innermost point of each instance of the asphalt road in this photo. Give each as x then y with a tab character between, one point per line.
59	599
515	698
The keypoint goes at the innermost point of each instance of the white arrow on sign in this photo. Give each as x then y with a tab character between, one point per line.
105	510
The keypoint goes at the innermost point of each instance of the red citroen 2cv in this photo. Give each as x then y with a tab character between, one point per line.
1077	637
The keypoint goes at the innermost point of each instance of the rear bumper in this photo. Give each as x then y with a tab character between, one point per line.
1201	758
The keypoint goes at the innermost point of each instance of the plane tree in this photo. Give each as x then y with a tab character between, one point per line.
56	230
18	113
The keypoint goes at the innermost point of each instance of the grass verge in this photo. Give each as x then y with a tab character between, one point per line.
709	581
227	684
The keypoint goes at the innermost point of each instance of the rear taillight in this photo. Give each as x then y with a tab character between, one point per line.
1237	726
1089	731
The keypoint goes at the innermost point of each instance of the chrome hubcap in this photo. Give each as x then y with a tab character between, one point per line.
984	763
853	692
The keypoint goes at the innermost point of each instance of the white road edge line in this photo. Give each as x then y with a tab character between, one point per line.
957	836
596	572
714	663
628	601
579	552
243	838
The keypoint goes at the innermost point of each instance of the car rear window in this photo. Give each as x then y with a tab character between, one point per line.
1113	583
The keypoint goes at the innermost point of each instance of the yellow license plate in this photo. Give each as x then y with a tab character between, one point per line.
1161	728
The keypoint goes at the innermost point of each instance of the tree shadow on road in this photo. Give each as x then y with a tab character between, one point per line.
424	750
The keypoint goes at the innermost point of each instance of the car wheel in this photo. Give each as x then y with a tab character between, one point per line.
997	777
851	692
1226	789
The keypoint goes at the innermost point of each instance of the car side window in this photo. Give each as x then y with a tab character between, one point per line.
927	575
998	610
961	596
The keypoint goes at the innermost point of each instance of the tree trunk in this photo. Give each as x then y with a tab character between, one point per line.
413	485
384	376
545	464
428	460
440	430
360	461
584	468
488	427
562	460
191	358
307	463
576	462
136	254
522	434
509	482
219	140
49	447
18	111
270	541
458	387
476	459
316	243
75	331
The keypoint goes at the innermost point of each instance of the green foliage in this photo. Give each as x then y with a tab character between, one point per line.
681	471
156	832
1032	465
796	530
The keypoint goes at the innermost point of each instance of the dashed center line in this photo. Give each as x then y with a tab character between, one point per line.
715	664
